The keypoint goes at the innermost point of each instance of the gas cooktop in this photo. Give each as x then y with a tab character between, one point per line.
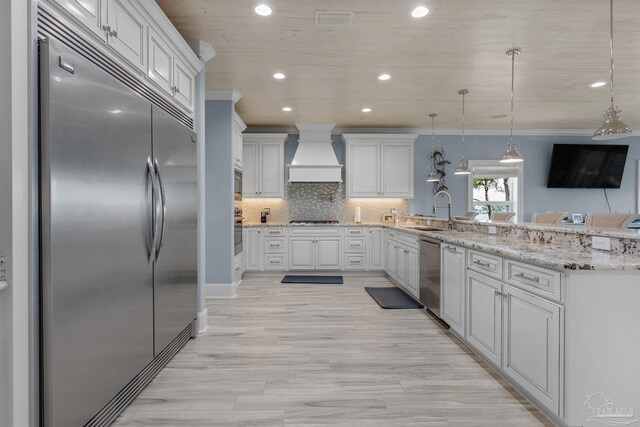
313	221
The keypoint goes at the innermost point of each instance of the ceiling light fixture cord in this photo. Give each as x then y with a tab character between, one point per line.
513	66
611	44
463	92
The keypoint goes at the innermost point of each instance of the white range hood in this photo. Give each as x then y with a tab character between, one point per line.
315	160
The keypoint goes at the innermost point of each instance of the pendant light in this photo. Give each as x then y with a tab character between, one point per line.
463	168
512	155
613	126
433	176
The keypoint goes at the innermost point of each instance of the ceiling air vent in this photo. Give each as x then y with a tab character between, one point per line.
325	18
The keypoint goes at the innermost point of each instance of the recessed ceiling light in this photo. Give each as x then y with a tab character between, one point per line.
279	76
366	110
262	9
598	84
287	109
420	12
384	76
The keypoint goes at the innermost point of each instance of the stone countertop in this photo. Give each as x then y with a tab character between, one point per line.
569	228
550	255
554	256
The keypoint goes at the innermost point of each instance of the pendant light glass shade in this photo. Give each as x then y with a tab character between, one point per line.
613	126
463	167
433	175
512	155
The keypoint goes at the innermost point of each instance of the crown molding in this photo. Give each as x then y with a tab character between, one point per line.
222	95
203	50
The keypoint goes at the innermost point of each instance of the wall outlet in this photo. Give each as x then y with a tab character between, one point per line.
601	243
428	222
493	230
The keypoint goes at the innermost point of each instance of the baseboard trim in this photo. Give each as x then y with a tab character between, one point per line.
203	323
220	290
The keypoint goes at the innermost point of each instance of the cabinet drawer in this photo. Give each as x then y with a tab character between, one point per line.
355	262
314	231
274	262
355	244
274	245
537	280
274	232
408	239
392	235
489	265
358	231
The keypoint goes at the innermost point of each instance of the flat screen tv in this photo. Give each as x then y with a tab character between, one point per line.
587	166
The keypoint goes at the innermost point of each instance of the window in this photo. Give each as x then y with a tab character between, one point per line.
495	187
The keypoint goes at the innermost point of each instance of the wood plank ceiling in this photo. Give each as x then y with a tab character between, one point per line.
332	71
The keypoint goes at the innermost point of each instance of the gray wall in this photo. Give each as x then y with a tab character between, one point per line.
536	151
219	191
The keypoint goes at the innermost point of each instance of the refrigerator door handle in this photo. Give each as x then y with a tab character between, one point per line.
163	209
153	249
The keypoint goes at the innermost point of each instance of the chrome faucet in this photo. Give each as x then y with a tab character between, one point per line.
435	206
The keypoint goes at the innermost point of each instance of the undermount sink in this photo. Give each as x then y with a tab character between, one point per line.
428	229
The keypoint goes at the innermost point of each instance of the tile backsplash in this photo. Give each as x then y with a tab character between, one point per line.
320	201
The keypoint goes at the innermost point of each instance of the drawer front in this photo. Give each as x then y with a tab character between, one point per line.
274	232
355	244
274	245
314	231
392	235
358	231
355	262
537	280
489	265
274	262
408	239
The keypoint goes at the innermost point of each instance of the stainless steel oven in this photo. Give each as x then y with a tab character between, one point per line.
237	230
237	184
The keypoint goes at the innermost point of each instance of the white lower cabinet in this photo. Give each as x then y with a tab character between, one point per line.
517	328
532	345
484	316
376	249
453	279
252	249
327	253
301	253
401	261
391	256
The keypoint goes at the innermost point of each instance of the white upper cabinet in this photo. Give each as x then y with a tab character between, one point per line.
127	31
379	165
183	84
160	62
263	165
145	40
363	170
397	170
88	12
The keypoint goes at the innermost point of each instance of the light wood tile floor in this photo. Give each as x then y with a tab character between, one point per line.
325	355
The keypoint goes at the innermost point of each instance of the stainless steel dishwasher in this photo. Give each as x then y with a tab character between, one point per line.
430	274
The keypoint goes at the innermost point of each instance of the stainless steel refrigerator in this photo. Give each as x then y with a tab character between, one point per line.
118	218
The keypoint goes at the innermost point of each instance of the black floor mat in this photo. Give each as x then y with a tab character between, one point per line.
322	280
392	298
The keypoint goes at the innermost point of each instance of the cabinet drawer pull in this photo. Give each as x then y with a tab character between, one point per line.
452	248
482	263
355	261
274	245
274	262
528	277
